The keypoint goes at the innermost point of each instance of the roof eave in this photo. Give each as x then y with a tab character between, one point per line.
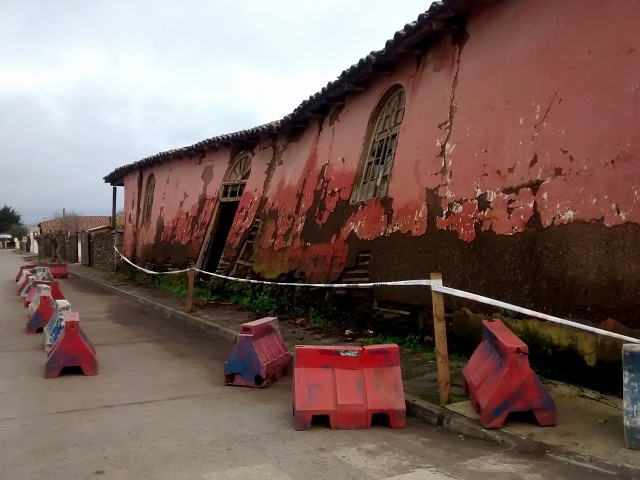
413	38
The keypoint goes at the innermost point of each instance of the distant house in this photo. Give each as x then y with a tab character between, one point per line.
495	142
62	237
73	223
6	240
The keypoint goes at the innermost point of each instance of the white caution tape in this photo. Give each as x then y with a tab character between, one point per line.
325	285
435	285
150	272
497	303
285	284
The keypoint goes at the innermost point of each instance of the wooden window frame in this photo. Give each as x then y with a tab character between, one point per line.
149	193
236	178
374	173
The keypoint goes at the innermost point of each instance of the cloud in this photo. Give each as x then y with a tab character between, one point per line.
88	86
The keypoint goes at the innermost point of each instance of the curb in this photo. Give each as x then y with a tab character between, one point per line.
186	318
438	416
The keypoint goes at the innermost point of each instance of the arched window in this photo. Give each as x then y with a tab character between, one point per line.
148	198
373	179
236	178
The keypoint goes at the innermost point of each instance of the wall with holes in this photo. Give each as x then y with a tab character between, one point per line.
516	170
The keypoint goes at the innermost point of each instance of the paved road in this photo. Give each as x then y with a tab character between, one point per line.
158	409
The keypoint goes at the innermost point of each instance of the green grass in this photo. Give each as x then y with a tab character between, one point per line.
410	343
318	318
413	344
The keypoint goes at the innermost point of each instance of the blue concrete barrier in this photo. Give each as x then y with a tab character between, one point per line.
631	394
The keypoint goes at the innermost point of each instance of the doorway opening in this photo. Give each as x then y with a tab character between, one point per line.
231	192
224	222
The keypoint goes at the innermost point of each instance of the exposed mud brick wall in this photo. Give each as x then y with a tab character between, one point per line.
516	171
102	251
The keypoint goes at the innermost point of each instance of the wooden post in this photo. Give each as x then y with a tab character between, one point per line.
114	198
440	336
191	275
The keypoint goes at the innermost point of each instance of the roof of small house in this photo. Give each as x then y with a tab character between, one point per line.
74	223
415	36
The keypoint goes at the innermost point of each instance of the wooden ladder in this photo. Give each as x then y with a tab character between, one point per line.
244	261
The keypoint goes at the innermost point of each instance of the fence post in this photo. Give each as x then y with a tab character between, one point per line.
191	275
440	337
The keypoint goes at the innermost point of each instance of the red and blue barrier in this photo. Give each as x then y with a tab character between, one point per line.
499	380
54	328
42	310
27	266
30	289
72	349
259	356
349	385
25	278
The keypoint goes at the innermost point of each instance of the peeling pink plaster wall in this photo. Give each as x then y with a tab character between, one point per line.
314	180
547	105
528	124
130	198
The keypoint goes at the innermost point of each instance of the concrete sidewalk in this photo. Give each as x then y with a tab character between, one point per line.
590	425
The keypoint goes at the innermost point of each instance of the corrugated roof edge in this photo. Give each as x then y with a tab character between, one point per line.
436	19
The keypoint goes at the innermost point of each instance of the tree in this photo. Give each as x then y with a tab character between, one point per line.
17	230
8	218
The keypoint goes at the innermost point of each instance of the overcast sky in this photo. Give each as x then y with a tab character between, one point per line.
88	86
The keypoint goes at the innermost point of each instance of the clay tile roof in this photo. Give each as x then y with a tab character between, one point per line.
417	35
74	223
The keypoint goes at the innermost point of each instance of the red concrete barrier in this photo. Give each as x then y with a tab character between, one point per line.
349	385
29	293
28	266
499	379
259	356
30	290
24	281
42	311
59	270
72	349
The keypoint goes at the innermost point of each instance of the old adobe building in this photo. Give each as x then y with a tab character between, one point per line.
496	142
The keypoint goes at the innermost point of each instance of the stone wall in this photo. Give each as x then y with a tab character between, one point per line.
59	246
48	246
102	253
71	248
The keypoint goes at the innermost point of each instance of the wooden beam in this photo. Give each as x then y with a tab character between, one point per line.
349	87
378	69
114	197
410	49
344	89
440	336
